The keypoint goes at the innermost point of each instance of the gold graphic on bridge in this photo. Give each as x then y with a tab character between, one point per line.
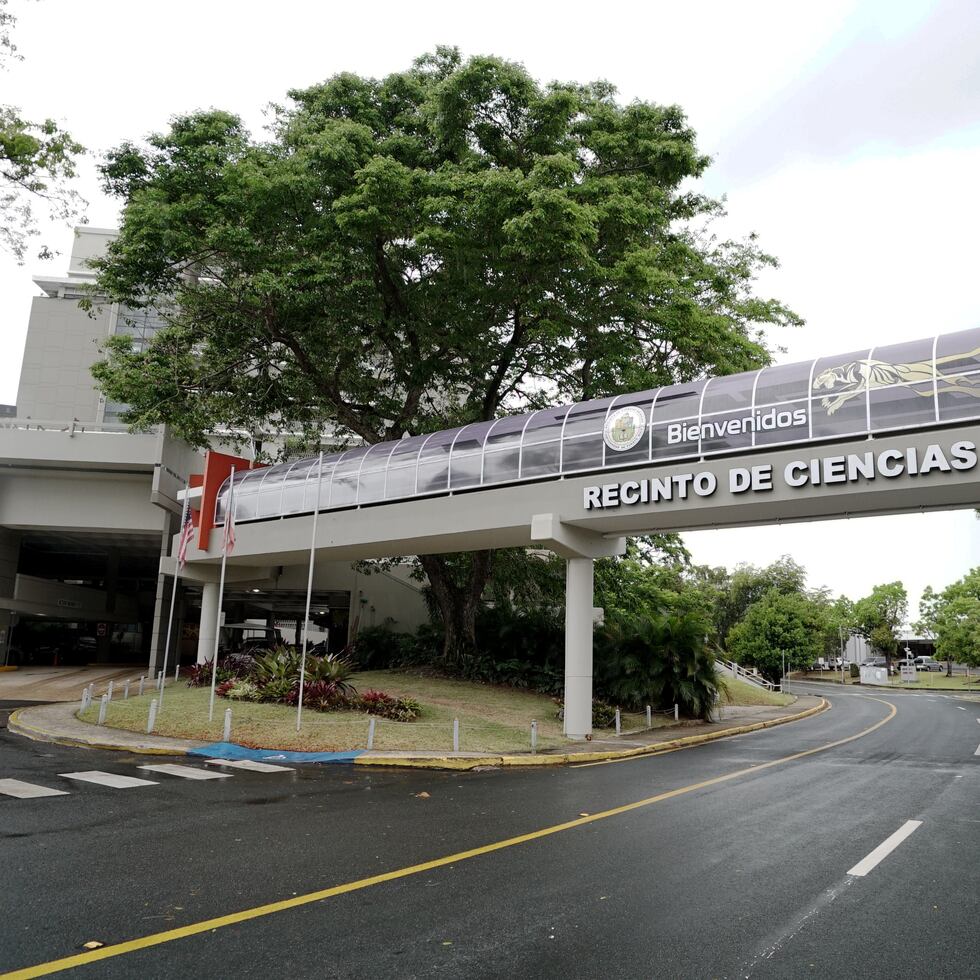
847	381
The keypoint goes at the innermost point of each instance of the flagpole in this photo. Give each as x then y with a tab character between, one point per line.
309	594
173	594
229	517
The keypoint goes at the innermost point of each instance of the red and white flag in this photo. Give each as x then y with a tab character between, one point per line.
228	544
186	533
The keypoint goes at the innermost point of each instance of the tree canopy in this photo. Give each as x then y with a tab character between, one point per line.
952	617
37	162
879	616
441	246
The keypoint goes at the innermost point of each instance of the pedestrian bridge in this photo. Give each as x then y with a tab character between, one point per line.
882	431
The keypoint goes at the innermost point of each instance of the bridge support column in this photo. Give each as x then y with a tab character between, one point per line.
209	621
579	583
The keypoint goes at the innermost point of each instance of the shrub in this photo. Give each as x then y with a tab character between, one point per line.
241	690
199	675
279	664
277	689
855	670
378	648
320	696
333	670
603	714
387	706
660	659
223	688
237	664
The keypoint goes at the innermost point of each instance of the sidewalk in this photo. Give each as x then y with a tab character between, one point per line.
57	723
61	683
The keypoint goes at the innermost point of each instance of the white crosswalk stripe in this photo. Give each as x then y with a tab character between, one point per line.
110	779
248	764
186	772
27	791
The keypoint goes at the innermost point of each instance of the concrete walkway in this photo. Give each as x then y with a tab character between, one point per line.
57	723
61	683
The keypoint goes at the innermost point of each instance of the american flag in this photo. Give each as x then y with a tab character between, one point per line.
186	533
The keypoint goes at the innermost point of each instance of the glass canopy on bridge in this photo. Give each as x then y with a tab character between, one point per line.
902	386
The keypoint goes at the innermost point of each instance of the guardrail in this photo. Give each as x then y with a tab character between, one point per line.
752	677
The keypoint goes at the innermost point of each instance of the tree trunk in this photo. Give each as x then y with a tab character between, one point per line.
457	592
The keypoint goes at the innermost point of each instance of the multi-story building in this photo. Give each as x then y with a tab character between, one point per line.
87	508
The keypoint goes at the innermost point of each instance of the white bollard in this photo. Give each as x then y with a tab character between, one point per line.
455	734
160	680
126	691
152	720
534	736
618	722
91	691
226	734
142	679
176	671
649	717
371	734
103	704
676	714
109	692
84	699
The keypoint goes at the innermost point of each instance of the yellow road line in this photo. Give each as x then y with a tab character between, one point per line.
207	925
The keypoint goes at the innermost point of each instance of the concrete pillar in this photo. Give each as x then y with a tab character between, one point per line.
161	606
209	622
103	643
9	558
578	647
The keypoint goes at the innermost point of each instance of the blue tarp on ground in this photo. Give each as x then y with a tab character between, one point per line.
228	750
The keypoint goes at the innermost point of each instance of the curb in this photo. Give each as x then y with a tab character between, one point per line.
566	758
14	724
18	727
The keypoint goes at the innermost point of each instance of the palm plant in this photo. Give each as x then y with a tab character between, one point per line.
659	658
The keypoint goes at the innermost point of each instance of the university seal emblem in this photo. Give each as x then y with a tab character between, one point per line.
850	380
624	428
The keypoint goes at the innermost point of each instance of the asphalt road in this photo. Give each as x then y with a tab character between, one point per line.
731	859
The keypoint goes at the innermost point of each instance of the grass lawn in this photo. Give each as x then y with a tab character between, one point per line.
743	693
491	719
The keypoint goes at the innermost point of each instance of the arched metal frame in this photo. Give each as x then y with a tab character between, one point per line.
889	388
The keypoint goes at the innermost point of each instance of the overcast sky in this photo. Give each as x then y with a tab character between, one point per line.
846	133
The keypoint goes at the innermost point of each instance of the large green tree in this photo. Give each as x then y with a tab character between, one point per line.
37	163
780	625
440	246
879	617
952	618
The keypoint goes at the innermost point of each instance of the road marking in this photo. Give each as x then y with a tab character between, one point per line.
960	706
108	779
259	911
249	764
27	791
885	848
186	772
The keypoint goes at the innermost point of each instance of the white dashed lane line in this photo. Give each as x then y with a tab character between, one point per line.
884	849
27	791
186	772
108	779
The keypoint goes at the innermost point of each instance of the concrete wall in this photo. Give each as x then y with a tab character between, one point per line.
62	344
115	502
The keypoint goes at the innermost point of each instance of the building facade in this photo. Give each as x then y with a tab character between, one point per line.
87	510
